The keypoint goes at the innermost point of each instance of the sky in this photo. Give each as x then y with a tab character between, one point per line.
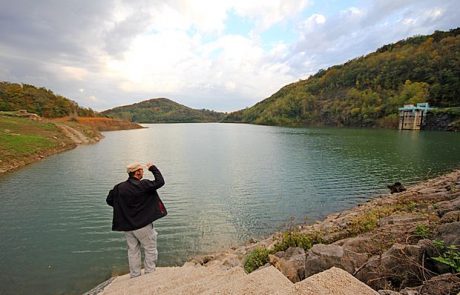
205	54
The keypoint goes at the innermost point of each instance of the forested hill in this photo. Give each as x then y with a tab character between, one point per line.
367	91
40	101
162	110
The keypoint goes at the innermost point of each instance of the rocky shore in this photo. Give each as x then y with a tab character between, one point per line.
402	243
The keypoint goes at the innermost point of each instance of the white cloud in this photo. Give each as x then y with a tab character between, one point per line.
267	13
209	16
176	62
435	14
409	21
73	73
313	22
120	51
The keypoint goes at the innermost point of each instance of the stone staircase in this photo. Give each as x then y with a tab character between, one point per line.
217	279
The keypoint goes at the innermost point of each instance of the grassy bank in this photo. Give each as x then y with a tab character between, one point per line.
99	123
23	141
27	138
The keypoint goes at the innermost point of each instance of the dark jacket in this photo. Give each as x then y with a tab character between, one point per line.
134	202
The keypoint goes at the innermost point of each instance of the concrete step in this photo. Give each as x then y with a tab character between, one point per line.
217	279
267	280
163	280
214	280
334	281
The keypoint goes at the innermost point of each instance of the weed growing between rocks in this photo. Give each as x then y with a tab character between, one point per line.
449	255
256	259
369	220
422	231
297	239
291	238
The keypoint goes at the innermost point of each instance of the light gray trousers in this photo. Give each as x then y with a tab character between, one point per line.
145	237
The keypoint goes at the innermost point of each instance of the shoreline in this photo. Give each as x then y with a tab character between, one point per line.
393	218
69	134
72	139
426	186
16	165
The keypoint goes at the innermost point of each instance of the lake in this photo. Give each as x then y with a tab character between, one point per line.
225	183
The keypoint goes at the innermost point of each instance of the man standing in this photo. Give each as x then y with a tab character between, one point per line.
135	207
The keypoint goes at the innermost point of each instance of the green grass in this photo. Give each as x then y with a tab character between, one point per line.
21	137
23	125
19	144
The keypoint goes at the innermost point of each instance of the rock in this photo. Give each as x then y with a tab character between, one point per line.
202	260
397	187
451	216
400	219
371	273
291	263
335	236
444	284
252	241
430	251
410	291
399	266
388	292
359	244
231	260
332	281
449	233
428	190
447	206
321	257
427	247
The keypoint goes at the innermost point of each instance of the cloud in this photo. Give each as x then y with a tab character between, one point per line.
269	12
74	73
234	63
313	22
354	31
122	51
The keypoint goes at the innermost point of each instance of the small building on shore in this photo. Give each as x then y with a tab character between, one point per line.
412	117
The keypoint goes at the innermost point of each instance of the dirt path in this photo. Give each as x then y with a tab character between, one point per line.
75	135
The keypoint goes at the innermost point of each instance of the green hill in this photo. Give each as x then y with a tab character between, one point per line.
41	101
367	91
162	110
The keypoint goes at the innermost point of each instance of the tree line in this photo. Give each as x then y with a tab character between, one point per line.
368	90
162	110
41	101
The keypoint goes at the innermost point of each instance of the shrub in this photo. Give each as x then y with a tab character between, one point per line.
368	220
256	259
297	239
450	255
409	207
422	231
363	223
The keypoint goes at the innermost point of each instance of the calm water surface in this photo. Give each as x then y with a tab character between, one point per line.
225	183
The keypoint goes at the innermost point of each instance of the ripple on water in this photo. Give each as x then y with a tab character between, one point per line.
224	184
